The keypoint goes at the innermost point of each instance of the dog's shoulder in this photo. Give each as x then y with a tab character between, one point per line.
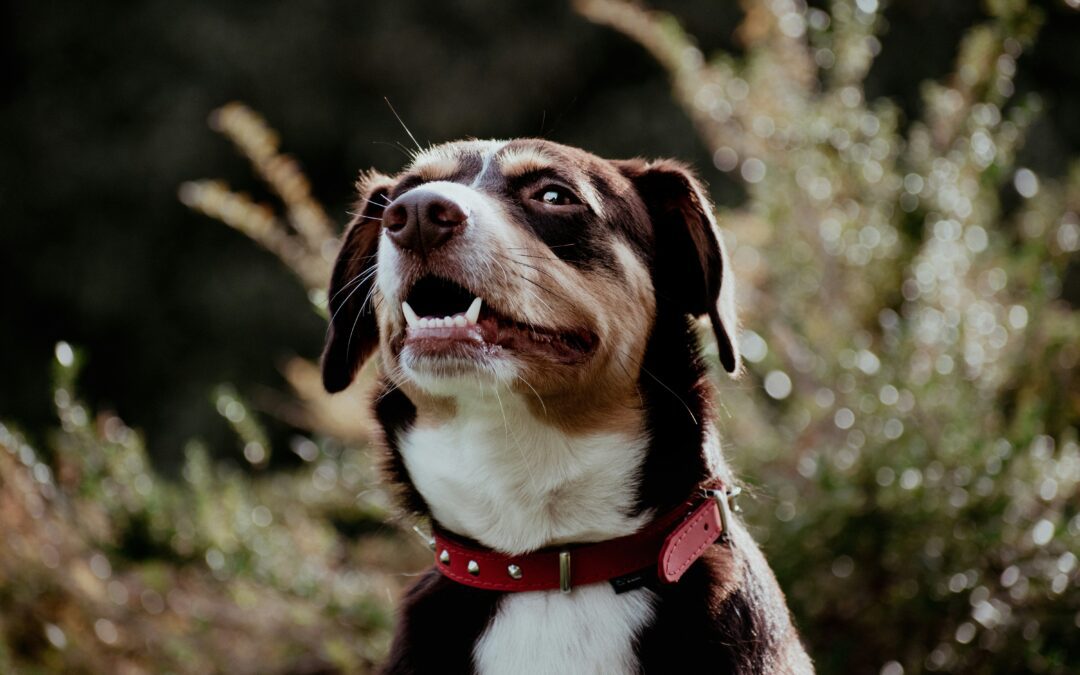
439	621
727	614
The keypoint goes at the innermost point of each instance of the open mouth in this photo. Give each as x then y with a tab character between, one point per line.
443	318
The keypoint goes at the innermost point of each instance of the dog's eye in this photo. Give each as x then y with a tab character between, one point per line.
555	195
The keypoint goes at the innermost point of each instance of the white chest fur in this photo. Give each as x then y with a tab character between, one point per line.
515	484
589	631
505	479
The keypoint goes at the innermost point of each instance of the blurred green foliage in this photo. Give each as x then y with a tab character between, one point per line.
908	423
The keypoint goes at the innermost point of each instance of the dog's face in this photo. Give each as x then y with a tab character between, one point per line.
527	264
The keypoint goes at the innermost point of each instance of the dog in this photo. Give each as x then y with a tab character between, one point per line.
543	399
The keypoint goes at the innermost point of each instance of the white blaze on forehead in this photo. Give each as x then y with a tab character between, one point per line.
443	161
487	153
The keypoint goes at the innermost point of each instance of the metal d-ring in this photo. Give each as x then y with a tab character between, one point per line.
724	500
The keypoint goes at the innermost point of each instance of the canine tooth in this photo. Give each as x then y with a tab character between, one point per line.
410	316
473	313
460	321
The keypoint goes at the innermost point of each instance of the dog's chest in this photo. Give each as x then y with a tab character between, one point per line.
590	630
515	484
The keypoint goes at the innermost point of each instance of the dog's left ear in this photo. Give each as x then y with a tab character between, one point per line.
353	333
690	265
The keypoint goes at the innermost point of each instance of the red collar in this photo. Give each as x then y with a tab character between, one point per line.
671	543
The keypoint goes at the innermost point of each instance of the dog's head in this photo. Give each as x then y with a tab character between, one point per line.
529	264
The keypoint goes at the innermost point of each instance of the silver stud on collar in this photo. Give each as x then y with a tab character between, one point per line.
473	567
444	557
514	571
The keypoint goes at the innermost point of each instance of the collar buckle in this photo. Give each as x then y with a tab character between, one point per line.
725	501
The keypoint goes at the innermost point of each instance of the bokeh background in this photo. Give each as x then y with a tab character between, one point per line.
898	183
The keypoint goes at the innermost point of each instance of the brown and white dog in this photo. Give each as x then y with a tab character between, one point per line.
533	308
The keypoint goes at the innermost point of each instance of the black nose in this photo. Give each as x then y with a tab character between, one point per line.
421	220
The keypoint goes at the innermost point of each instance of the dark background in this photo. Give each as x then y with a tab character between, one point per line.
103	111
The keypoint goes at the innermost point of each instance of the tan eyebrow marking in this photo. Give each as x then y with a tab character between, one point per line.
436	164
520	161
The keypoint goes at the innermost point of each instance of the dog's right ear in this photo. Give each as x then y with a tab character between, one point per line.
354	333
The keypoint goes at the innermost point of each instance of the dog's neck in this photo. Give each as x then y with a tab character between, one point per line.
498	474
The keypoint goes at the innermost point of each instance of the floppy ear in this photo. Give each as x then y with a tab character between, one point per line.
353	333
690	265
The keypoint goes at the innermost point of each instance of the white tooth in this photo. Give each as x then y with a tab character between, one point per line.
447	321
460	321
473	313
425	322
410	316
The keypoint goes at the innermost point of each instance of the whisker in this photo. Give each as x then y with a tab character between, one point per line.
545	288
374	203
538	269
396	146
344	304
527	248
361	278
517	441
661	383
626	371
348	344
538	257
375	300
506	424
534	283
393	385
402	123
538	398
361	257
